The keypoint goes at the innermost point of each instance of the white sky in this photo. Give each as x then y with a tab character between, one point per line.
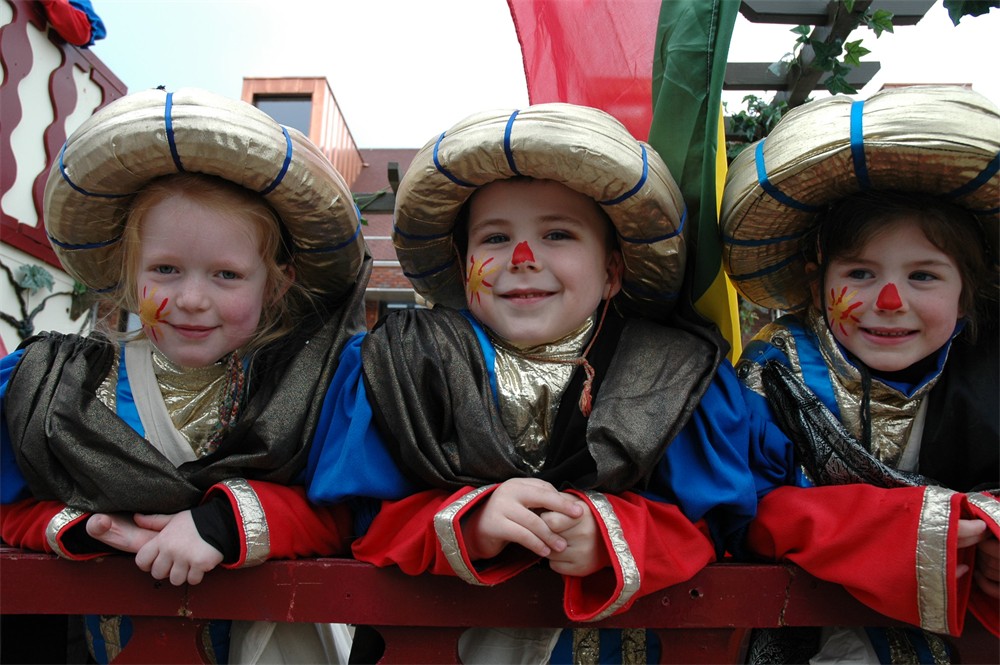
404	70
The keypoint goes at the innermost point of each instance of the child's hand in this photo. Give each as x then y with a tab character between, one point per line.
177	551
584	553
118	531
987	573
511	515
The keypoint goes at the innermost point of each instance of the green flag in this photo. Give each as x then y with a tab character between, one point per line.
689	65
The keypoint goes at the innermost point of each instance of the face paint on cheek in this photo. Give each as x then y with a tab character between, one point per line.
888	298
151	313
841	312
475	281
522	253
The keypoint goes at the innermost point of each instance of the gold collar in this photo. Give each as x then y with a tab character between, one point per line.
531	382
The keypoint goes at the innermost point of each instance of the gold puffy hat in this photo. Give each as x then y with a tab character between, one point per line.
154	133
937	140
583	148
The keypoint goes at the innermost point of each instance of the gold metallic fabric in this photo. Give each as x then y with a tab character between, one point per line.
154	133
932	554
60	521
892	412
257	537
530	389
631	580
192	397
445	528
583	148
937	140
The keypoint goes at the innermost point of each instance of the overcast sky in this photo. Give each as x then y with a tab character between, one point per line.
404	70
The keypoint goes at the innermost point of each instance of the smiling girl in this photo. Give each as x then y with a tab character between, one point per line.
881	248
184	441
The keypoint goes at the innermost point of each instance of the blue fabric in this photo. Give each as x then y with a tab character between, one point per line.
97	29
12	485
125	401
705	470
858	144
348	457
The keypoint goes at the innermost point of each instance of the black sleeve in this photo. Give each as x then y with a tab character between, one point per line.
216	525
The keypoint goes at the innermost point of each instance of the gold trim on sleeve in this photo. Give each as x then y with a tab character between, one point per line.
630	571
59	522
251	514
444	527
932	558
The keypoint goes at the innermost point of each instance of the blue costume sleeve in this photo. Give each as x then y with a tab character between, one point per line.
12	484
348	458
707	469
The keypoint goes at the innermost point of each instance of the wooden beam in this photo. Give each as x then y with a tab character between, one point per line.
757	76
815	12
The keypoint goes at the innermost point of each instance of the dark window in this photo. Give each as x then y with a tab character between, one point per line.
290	111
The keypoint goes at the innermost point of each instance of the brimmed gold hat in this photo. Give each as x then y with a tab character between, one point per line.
583	148
154	133
938	140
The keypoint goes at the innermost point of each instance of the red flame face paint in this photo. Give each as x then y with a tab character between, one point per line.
476	280
840	311
522	253
151	313
888	298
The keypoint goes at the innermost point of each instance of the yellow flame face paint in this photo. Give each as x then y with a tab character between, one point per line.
475	281
840	311
151	313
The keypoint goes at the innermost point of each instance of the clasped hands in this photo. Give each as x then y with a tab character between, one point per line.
534	514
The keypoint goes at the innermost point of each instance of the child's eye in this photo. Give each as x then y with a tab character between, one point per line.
164	270
921	276
860	273
495	239
557	235
228	274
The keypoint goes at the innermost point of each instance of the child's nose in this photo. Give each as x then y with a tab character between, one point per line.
523	258
191	296
888	298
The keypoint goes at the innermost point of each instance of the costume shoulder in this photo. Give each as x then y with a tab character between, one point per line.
46	351
778	341
429	389
650	379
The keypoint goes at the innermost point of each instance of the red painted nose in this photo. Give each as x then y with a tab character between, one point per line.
888	298
522	253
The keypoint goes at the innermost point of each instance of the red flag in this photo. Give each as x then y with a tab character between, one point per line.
601	53
592	52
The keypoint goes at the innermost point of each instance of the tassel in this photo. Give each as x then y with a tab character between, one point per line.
586	401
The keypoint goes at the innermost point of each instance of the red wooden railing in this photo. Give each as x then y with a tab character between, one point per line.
704	620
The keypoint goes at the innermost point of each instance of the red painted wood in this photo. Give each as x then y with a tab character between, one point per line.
703	620
18	59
